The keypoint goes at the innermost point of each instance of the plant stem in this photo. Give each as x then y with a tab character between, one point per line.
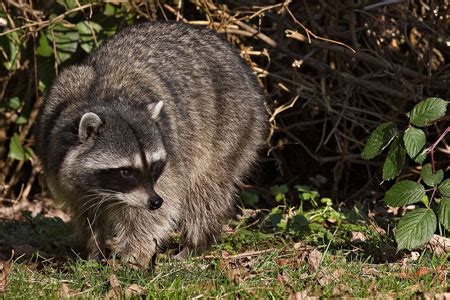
434	146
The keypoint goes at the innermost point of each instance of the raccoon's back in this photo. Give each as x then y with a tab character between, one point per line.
210	95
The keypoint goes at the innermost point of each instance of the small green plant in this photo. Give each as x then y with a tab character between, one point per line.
432	192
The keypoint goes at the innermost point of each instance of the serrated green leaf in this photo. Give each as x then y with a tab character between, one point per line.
420	158
87	29
16	150
444	188
395	160
378	140
428	111
414	140
44	49
444	212
429	178
415	228
403	193
66	40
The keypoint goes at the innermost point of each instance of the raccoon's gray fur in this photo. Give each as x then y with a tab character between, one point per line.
150	134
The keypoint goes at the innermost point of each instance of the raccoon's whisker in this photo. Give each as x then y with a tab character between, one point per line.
110	206
104	198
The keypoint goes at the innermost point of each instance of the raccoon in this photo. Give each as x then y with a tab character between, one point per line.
151	133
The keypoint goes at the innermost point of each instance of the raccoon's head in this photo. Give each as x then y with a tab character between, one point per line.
118	159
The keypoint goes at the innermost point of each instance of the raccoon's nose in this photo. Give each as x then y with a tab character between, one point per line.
155	202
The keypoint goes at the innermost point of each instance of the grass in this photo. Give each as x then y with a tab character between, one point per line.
247	262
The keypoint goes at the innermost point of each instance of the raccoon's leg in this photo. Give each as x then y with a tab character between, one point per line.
209	205
134	236
91	237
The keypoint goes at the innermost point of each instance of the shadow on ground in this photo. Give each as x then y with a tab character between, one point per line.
40	237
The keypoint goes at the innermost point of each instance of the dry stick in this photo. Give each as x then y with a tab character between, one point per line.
47	23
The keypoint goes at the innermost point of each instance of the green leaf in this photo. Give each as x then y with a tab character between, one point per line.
68	4
10	46
44	49
109	9
21	120
420	158
87	29
66	40
16	150
415	228
429	178
275	216
428	111
298	223
279	192
444	212
249	199
12	103
444	188
414	140
403	193
378	140
395	160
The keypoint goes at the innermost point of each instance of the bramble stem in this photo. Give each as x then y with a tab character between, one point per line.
434	146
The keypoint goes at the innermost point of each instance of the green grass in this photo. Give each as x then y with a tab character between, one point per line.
232	268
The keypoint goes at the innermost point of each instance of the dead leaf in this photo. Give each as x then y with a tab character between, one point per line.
298	295
372	289
134	290
299	246
357	237
325	277
282	278
64	291
422	271
442	273
431	296
439	245
116	289
282	261
314	259
341	289
4	271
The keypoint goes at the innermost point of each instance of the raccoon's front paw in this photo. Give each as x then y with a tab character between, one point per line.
183	254
132	255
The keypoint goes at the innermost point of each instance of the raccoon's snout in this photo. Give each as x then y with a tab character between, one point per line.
155	202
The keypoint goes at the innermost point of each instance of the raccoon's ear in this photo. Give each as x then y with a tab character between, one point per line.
89	125
155	109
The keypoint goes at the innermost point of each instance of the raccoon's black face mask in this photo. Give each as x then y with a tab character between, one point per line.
118	162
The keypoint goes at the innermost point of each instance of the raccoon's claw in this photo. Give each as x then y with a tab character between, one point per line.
183	254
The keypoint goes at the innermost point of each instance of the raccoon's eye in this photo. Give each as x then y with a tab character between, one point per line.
126	173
